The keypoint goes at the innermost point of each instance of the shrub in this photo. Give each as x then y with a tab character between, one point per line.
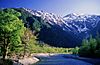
90	48
75	50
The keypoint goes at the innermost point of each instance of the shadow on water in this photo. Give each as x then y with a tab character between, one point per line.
61	59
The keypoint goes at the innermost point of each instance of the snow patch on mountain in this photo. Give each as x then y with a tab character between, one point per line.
50	17
81	23
72	22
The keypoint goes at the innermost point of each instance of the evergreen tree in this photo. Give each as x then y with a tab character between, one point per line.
88	48
28	40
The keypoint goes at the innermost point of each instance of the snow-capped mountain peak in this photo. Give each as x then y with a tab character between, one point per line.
50	17
81	23
70	16
72	28
72	22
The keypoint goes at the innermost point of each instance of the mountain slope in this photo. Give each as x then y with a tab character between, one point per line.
85	25
68	31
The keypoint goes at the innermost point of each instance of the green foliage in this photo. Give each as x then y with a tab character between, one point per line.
32	22
75	50
28	40
37	48
90	48
12	11
37	26
11	30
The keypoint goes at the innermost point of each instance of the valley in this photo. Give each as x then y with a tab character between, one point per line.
24	32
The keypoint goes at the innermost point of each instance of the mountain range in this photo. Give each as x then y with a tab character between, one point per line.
67	31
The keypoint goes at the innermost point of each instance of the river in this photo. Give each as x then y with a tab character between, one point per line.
59	59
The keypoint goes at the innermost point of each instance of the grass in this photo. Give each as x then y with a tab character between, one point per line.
49	49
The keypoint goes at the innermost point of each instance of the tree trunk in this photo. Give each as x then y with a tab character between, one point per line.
5	54
24	49
5	48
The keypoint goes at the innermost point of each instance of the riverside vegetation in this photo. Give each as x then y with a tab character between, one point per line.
19	39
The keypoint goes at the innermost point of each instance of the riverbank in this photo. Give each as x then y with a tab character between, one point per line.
31	60
26	61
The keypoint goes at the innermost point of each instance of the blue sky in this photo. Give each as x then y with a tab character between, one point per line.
59	7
